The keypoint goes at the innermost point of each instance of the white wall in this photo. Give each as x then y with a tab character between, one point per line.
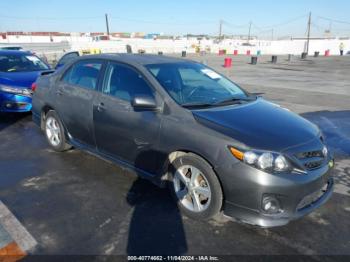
74	42
13	39
278	47
149	45
282	47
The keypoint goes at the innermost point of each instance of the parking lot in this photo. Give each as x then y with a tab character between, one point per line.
74	203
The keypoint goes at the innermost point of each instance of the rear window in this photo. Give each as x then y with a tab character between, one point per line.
68	57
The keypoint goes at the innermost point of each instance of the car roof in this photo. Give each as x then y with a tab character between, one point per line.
140	59
14	52
7	46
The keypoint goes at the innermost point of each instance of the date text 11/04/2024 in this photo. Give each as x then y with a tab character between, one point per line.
173	258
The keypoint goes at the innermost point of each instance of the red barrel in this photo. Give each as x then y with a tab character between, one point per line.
228	62
235	52
248	52
221	52
327	53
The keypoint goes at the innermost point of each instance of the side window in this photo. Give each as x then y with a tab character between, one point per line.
84	74
125	83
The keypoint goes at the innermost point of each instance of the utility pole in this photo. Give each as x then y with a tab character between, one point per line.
107	24
272	34
220	30
308	34
329	29
250	27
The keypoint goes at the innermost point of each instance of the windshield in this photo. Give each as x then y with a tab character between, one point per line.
21	63
191	83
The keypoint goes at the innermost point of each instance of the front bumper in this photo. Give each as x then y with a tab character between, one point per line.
14	103
298	195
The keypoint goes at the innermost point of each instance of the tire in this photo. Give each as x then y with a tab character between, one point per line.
55	133
195	187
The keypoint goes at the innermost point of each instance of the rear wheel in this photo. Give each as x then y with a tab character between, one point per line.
195	187
54	132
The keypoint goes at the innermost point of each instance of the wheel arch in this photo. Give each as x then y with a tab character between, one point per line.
44	110
180	152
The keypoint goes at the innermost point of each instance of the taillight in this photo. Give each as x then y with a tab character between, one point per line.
34	87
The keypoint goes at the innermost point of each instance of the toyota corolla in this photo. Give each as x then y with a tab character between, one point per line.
180	123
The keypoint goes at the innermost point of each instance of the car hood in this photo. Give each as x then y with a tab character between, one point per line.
259	124
19	79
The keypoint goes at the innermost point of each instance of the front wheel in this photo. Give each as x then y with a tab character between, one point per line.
195	187
54	132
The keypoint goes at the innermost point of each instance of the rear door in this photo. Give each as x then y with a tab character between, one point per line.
75	93
120	131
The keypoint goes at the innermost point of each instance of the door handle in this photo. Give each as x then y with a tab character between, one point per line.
101	107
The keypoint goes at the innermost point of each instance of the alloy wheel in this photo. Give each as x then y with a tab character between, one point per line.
53	131
192	188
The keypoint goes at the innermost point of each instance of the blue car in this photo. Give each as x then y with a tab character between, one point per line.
18	71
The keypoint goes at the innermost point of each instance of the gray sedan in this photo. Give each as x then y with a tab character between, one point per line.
180	123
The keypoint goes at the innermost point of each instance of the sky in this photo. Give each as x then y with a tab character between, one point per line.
269	18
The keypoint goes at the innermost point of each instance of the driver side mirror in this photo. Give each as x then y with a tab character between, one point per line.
145	103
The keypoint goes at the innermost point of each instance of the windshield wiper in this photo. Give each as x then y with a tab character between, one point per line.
196	105
258	94
233	100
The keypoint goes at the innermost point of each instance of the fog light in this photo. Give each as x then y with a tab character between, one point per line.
271	205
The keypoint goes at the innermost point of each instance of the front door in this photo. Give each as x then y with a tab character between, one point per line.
120	131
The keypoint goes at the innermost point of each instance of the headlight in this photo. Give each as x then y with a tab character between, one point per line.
16	90
281	163
250	157
325	151
267	161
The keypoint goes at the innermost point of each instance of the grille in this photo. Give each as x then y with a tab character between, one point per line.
313	164
310	154
312	159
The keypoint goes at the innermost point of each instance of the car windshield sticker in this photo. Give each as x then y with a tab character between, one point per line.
211	73
34	59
